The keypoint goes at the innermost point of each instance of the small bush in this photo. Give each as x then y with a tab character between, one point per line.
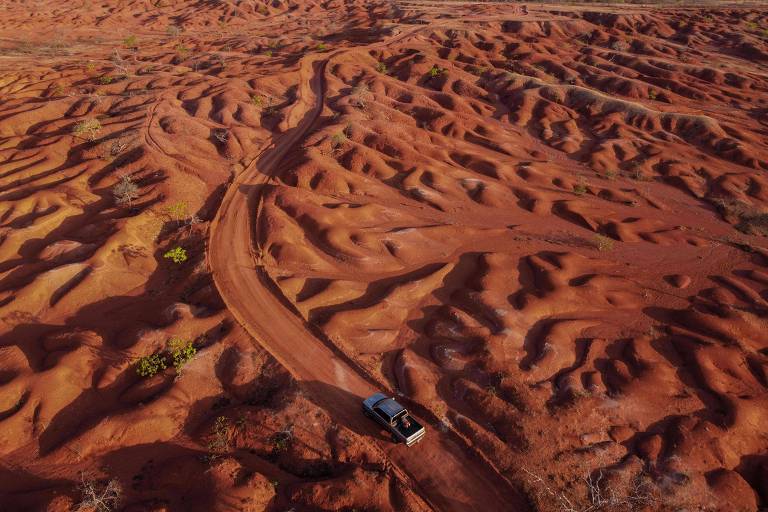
581	187
58	90
149	366
322	47
221	135
105	80
182	352
173	30
182	50
125	191
219	435
177	254
281	440
268	53
96	496
88	128
652	94
360	93
130	42
381	68
436	71
745	218
177	211
339	138
603	243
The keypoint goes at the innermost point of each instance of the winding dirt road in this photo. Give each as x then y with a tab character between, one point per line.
442	471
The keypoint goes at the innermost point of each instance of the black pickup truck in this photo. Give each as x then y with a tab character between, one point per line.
394	417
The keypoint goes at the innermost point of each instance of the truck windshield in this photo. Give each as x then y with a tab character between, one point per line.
382	415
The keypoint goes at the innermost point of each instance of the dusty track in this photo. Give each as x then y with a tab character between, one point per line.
439	469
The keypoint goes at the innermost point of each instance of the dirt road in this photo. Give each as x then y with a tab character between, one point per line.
439	468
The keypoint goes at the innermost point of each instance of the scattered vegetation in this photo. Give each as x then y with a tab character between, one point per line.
177	255
360	95
601	496
744	217
57	90
281	440
381	68
88	129
97	496
182	50
339	138
177	211
257	100
652	94
130	42
581	186
603	243
268	53
221	135
105	80
436	71
173	30
182	352
178	353
115	148
149	366
125	191
322	47
219	435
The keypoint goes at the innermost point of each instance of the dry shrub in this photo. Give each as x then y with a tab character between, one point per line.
98	496
744	217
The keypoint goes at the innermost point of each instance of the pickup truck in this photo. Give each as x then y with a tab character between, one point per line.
394	417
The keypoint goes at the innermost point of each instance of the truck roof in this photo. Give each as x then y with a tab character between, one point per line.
389	407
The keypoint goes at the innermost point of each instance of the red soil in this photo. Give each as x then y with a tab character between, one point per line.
543	227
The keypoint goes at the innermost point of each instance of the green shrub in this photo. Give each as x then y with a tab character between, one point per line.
149	366
130	42
177	210
177	254
381	68
322	47
105	80
87	128
436	71
652	94
182	352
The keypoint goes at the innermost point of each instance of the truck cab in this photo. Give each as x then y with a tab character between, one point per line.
394	417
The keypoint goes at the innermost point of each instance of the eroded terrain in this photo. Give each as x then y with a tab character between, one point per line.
543	227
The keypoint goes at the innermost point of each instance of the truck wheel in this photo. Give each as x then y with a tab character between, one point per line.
365	411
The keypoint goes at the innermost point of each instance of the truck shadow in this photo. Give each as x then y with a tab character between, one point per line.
345	407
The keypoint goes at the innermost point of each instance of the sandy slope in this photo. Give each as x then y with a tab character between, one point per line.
542	226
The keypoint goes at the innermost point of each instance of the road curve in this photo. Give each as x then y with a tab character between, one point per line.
439	469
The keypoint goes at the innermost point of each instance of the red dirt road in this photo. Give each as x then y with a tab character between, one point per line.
438	468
